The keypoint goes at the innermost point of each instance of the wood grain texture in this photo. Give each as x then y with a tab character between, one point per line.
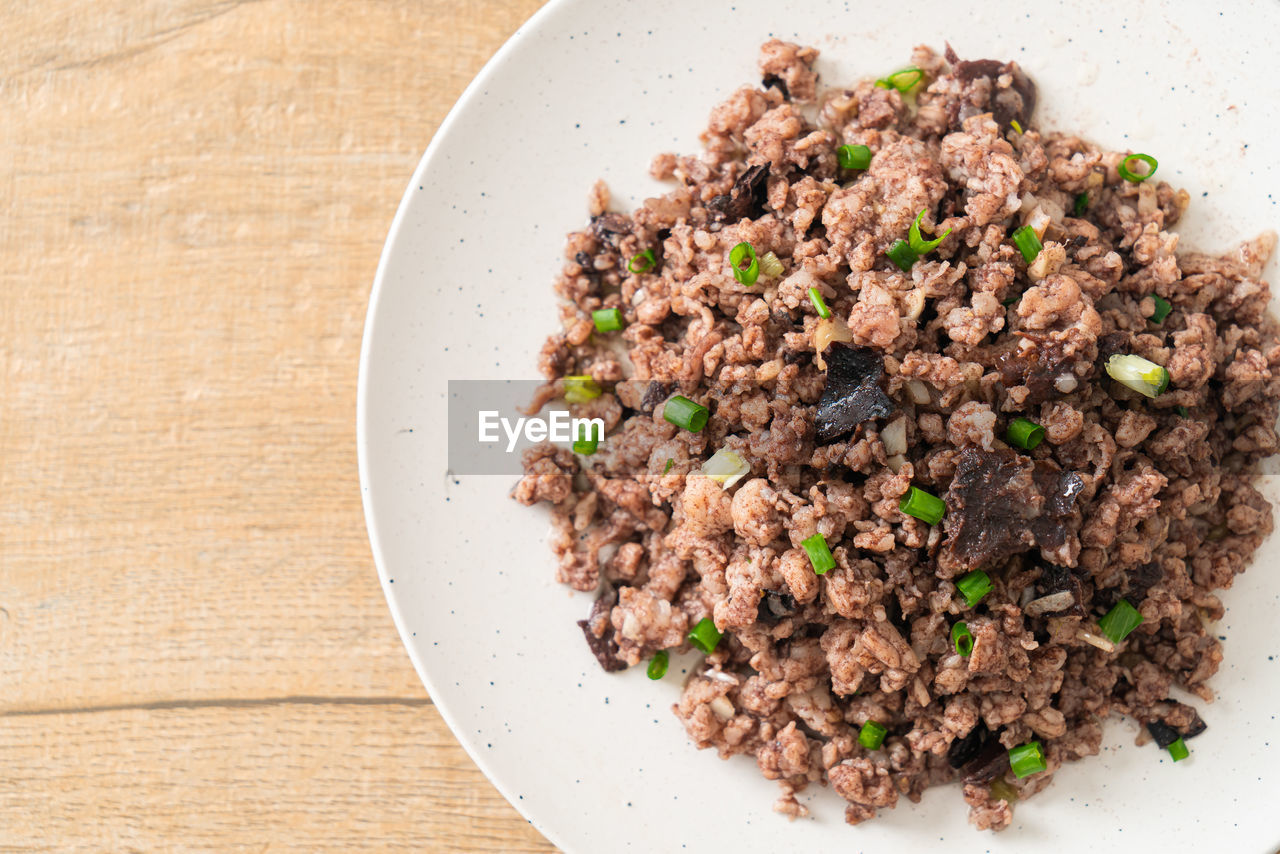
197	193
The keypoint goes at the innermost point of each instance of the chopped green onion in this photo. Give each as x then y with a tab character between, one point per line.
1133	177
685	414
1016	127
819	554
903	255
1028	243
658	664
917	243
1002	791
642	262
903	80
818	304
746	275
705	635
583	444
1183	411
1025	434
1082	202
726	466
1162	309
1120	621
974	586
580	388
853	156
871	736
1178	749
1010	301
607	319
962	638
1139	374
667	467
923	505
770	266
1027	759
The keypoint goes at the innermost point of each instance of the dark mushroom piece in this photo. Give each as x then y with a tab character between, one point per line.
852	394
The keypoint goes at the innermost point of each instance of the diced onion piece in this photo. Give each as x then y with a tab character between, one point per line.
1139	374
894	436
722	708
828	331
726	467
918	391
1096	640
896	462
1049	604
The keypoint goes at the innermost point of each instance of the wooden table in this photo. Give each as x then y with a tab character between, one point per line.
194	651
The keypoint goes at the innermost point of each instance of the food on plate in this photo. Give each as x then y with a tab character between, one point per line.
920	427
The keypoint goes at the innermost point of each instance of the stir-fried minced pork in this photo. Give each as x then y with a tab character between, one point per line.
843	382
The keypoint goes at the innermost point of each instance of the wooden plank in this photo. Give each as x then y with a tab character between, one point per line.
198	193
281	777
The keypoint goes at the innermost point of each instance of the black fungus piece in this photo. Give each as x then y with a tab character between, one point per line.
1012	93
656	393
1038	367
963	750
607	226
776	82
1196	726
990	762
1001	503
1110	345
598	631
852	393
774	606
745	200
1057	579
1164	734
1141	580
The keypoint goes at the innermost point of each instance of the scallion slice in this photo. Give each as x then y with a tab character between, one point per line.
1025	434
727	467
607	319
819	554
1028	243
1027	759
667	467
658	664
1082	202
685	414
1017	128
770	266
901	254
1131	176
871	736
903	80
642	262
1122	619
1139	374
962	638
1178	749
974	586
853	156
705	636
580	388
748	274
923	505
1183	411
584	444
1162	309
818	304
918	244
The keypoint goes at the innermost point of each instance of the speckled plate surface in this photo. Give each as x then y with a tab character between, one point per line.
594	88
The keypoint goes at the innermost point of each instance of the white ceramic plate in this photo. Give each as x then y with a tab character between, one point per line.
594	88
